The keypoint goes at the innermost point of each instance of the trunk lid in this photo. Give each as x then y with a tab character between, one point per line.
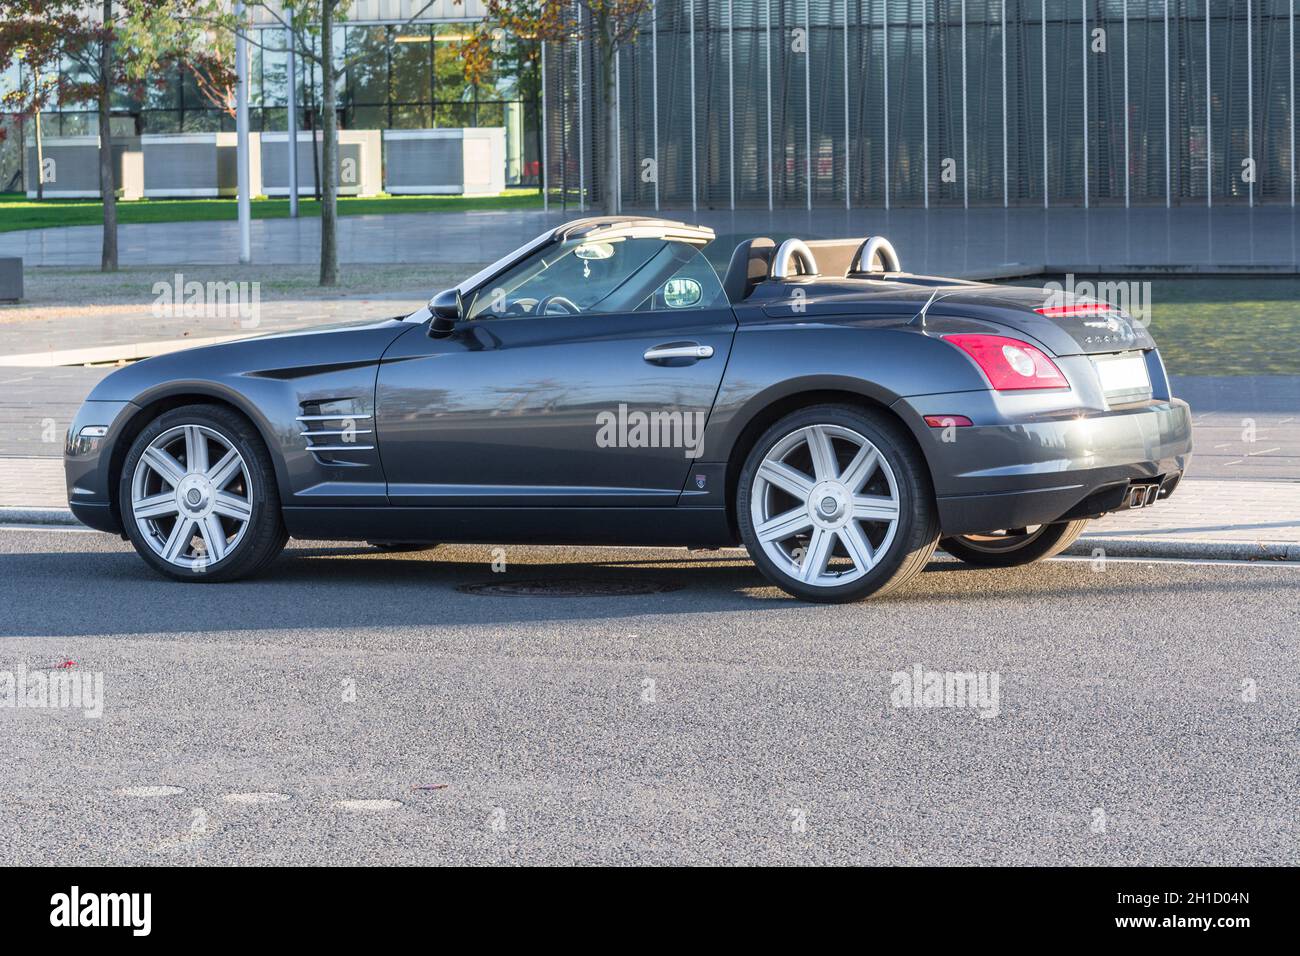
1069	324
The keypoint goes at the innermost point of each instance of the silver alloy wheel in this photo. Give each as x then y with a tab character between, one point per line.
819	487
191	496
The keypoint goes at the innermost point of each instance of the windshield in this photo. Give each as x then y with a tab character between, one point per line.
600	276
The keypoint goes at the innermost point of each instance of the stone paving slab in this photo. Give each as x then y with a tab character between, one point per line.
943	241
24	343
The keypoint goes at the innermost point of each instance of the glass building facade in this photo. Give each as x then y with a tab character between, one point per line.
753	103
398	77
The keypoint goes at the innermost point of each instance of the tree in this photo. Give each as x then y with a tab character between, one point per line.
610	24
106	47
315	19
37	83
214	75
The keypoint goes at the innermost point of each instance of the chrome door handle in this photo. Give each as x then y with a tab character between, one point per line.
679	351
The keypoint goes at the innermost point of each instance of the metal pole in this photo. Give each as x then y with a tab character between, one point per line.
807	101
884	20
654	93
616	134
1250	101
241	140
582	147
1045	200
925	108
292	124
1006	176
40	152
545	157
1209	151
691	14
768	46
965	156
1084	4
1169	174
1127	160
847	149
731	102
1292	59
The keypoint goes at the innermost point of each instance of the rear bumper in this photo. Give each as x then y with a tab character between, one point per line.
1009	471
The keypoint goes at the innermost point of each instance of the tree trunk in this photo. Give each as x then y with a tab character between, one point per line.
608	79
329	253
107	191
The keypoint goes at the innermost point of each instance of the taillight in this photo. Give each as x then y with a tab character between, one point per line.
1010	364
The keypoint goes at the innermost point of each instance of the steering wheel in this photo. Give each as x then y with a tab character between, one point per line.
556	299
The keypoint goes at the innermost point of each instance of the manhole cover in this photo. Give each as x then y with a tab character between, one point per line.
568	587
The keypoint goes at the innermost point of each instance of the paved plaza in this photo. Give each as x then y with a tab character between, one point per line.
976	242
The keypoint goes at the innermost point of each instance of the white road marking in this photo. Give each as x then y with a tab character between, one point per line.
365	806
255	798
46	527
148	792
1216	562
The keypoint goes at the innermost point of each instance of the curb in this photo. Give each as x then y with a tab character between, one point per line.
47	516
1121	547
126	352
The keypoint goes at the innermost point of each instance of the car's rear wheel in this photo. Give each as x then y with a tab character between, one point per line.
198	496
1014	546
835	503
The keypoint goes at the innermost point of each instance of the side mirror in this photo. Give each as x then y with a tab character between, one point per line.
446	308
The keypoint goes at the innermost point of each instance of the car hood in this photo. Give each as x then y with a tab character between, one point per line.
283	355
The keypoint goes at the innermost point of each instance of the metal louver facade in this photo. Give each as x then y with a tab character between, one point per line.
877	103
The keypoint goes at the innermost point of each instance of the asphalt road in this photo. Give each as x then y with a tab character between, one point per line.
1146	713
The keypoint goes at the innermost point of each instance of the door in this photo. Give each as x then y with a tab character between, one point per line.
582	377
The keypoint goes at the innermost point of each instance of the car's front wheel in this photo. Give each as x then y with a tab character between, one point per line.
835	504
1011	547
198	496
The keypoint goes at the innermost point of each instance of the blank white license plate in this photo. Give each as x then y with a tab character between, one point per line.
1123	374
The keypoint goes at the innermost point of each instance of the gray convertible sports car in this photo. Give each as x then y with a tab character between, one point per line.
607	384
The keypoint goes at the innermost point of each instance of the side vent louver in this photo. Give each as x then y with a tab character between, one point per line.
336	427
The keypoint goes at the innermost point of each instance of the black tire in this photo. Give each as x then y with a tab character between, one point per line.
917	531
265	534
402	547
1009	551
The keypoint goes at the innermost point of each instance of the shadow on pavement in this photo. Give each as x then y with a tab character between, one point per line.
328	588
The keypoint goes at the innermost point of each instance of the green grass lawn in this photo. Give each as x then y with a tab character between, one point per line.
1224	325
18	212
